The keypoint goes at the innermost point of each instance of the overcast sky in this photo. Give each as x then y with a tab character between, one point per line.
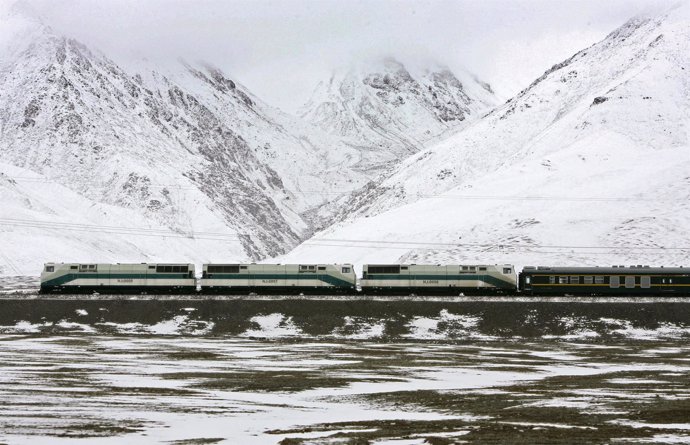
281	49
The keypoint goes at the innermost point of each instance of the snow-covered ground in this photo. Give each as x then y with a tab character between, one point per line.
213	390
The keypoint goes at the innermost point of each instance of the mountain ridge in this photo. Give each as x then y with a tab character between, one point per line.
594	149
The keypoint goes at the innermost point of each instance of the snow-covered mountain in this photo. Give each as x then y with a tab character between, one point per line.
183	148
394	111
588	165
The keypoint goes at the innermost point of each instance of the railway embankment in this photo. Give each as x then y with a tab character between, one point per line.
428	318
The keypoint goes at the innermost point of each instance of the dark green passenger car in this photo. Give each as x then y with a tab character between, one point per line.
615	280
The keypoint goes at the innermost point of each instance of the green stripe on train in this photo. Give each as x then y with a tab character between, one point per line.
64	279
485	278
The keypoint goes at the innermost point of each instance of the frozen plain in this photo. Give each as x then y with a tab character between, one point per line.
270	372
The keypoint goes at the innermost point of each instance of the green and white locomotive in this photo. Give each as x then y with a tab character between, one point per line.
118	278
279	278
438	279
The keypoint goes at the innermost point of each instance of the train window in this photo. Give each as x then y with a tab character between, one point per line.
384	269
243	267
152	267
562	280
50	268
507	270
588	280
311	267
184	269
472	268
599	279
670	281
482	268
645	282
403	268
629	282
322	268
307	269
614	281
176	269
220	269
346	270
528	280
552	280
663	280
574	280
464	268
167	269
73	267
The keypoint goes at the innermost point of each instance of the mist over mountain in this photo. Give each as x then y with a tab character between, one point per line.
393	110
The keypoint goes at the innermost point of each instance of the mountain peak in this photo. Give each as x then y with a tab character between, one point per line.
396	111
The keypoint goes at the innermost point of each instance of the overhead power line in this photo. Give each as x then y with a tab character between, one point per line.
131	231
406	245
339	193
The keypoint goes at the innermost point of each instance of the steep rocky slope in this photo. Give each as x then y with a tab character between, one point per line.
589	164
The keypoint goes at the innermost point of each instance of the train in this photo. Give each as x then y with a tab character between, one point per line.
376	279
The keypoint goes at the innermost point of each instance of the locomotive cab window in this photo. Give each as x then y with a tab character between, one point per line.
507	270
50	268
346	270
